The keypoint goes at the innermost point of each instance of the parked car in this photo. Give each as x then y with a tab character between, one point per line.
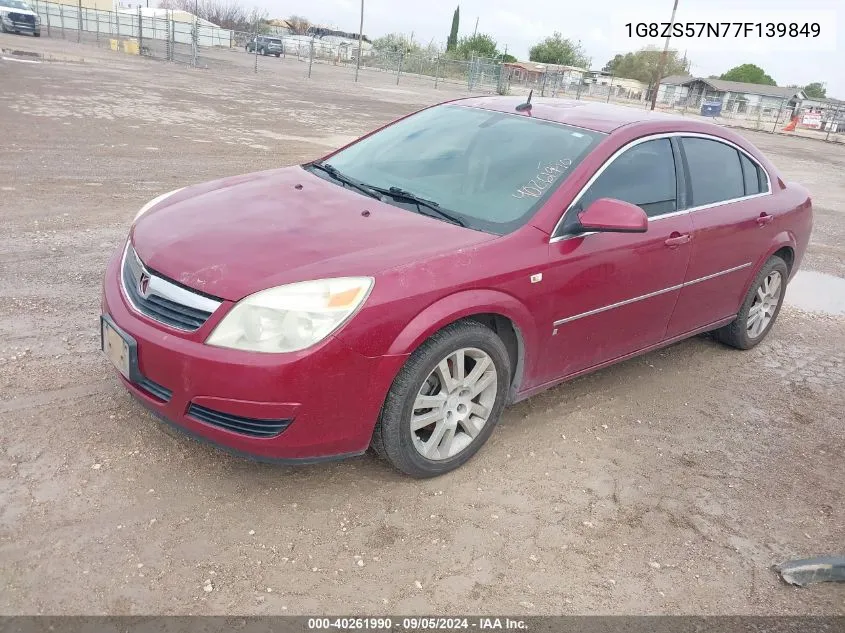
266	45
399	292
17	16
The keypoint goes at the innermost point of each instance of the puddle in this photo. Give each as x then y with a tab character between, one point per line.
816	292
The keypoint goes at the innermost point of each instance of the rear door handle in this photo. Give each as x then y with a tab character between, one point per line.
764	219
676	239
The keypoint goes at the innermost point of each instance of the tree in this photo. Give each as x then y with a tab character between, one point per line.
748	73
558	50
507	58
643	65
613	64
299	25
479	45
452	40
395	43
815	90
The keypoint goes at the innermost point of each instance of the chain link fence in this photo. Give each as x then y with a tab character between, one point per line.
180	37
764	114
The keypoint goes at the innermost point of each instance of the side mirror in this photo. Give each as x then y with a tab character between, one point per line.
609	215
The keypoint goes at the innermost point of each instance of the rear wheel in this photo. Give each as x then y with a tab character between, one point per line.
445	401
760	309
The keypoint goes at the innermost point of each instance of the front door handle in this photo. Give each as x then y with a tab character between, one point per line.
764	219
676	239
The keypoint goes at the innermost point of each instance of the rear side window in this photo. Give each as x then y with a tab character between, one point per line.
754	176
643	175
715	171
750	175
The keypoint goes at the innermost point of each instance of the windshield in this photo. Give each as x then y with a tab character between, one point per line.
491	170
15	4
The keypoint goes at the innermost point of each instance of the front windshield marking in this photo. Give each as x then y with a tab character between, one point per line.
546	176
492	170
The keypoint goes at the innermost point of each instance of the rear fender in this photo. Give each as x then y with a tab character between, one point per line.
782	239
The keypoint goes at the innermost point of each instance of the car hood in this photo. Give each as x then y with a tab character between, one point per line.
232	237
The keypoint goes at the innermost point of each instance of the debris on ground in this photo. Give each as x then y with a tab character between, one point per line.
807	571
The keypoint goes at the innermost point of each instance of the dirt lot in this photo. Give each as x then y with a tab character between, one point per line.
667	484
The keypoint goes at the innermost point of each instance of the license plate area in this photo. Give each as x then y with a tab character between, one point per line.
120	348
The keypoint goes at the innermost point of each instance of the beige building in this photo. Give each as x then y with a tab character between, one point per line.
101	5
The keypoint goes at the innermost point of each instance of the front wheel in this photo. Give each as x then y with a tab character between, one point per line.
445	402
760	309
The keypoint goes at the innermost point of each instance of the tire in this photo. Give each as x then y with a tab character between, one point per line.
393	438
740	333
278	54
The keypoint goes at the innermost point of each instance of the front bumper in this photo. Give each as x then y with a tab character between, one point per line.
22	27
326	399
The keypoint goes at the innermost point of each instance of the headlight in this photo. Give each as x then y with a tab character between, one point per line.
293	317
154	202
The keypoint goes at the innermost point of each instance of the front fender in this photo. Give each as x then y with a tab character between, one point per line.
468	303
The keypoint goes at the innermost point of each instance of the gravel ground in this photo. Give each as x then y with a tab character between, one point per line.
666	484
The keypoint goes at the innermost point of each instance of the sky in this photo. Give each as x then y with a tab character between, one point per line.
600	27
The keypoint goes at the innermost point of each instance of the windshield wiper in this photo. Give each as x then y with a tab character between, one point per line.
334	173
396	192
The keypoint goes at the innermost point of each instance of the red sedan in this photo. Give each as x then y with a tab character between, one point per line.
399	292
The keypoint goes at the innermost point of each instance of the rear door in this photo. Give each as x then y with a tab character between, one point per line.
611	294
733	225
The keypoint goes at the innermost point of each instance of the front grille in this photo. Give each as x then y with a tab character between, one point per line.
238	424
22	18
154	389
155	305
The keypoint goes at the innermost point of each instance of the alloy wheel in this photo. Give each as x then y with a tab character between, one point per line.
765	304
454	403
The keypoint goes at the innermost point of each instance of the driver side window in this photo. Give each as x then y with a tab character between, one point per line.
643	175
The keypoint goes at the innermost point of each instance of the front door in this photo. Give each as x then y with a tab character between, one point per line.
612	294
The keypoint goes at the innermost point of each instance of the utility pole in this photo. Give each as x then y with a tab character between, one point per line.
360	38
476	27
662	63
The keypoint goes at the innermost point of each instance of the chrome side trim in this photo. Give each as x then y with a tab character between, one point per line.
619	304
652	137
719	274
165	289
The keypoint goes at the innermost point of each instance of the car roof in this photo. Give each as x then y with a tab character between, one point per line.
600	117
